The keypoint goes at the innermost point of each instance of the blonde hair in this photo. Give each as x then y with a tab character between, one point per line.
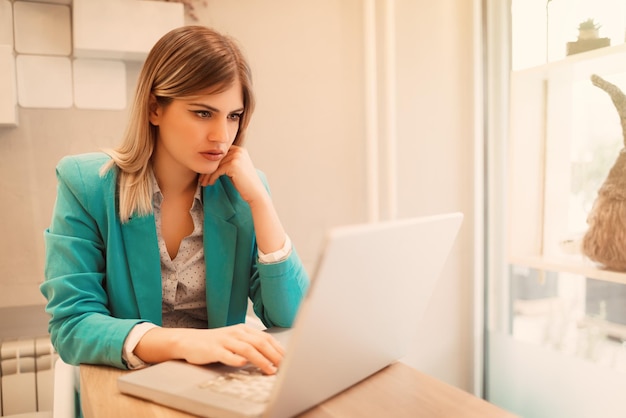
183	62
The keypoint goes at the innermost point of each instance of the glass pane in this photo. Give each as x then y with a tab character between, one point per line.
556	342
570	314
542	29
595	144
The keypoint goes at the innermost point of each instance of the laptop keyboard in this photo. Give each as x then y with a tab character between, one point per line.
250	384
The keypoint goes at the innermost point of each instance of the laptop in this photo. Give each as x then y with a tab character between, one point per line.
370	288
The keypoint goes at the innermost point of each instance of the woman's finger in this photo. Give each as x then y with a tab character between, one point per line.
253	355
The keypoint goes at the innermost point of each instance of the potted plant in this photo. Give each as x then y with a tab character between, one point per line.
588	29
588	38
190	6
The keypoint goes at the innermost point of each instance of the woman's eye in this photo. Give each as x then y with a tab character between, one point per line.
235	116
203	113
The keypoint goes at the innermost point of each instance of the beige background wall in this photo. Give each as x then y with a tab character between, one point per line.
436	166
308	135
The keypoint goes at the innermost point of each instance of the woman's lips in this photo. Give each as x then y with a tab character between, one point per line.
212	155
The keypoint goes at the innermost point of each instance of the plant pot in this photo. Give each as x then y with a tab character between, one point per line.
584	34
582	45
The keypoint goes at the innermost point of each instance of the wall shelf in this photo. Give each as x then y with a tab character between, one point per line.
581	59
557	116
8	99
99	84
35	91
82	44
6	22
42	28
570	264
108	28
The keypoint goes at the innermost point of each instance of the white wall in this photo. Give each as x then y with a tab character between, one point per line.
308	135
435	166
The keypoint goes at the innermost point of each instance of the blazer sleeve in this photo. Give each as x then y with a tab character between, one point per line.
277	289
81	326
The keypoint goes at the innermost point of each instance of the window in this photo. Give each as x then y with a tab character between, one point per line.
556	341
541	29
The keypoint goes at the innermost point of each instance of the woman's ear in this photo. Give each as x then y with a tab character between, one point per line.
155	110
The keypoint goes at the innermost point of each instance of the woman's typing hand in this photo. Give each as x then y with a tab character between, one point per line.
234	345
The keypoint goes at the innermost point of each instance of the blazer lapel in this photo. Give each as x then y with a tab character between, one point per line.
220	237
145	265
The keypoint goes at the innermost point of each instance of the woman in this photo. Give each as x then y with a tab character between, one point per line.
154	249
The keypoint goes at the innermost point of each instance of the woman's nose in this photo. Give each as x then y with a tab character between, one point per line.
219	131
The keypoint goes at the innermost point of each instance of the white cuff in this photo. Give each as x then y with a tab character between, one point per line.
132	339
278	255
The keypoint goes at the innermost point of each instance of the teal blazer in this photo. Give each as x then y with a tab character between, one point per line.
103	277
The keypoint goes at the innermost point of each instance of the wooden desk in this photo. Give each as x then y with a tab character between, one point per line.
397	391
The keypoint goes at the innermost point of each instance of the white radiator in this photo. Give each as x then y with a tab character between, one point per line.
26	375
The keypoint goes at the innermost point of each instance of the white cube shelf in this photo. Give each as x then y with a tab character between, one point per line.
67	2
122	29
6	23
8	98
99	84
41	28
44	82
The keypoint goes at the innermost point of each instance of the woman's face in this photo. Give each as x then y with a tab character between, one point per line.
195	133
